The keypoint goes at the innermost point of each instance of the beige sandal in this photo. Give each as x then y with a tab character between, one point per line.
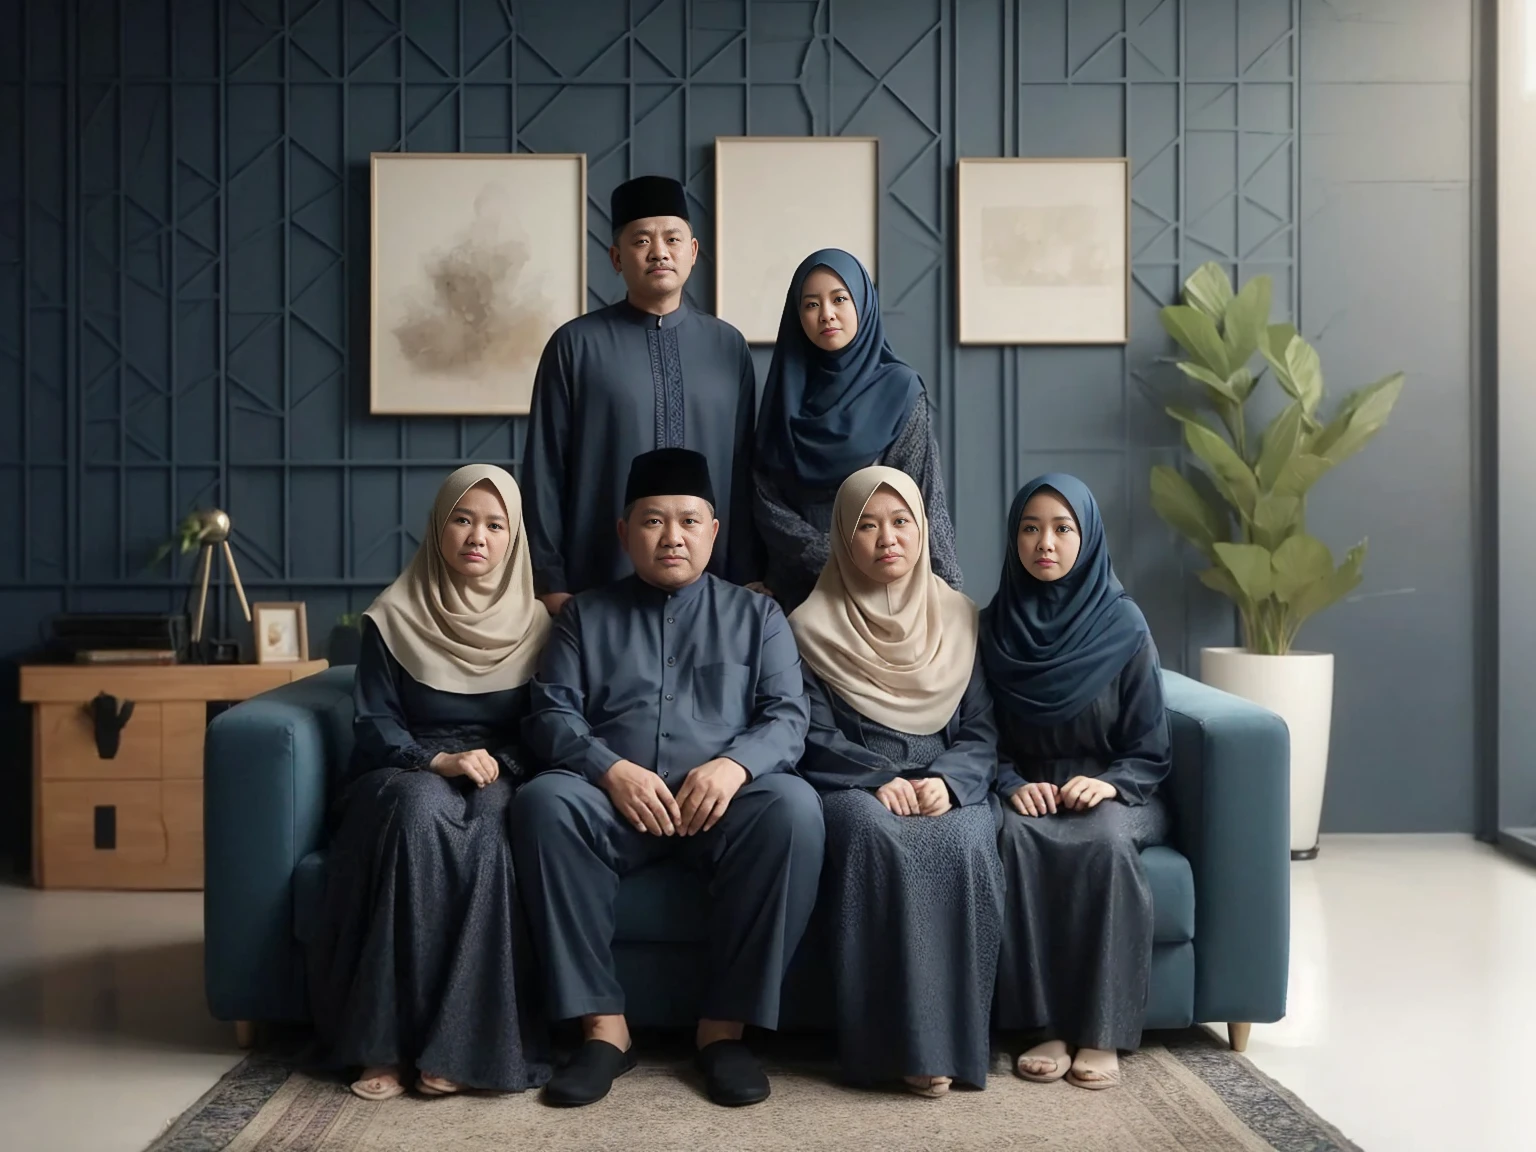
928	1087
1101	1077
429	1085
1061	1064
383	1084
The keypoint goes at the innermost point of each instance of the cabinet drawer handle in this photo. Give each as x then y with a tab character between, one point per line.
109	720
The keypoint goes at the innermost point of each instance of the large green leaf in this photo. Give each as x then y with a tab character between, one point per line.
1301	561
1299	473
1277	339
1209	290
1196	333
1282	439
1246	321
1176	501
1220	580
1231	474
1364	415
1212	381
1306	371
1251	568
1324	593
1241	382
1274	519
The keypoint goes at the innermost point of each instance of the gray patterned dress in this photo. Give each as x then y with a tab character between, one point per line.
914	904
794	521
422	950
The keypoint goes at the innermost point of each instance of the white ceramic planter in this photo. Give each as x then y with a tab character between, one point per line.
1299	687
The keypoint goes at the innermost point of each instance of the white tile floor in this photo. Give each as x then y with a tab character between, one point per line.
1412	1006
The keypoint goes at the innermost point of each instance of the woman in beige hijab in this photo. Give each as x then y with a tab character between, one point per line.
903	748
414	969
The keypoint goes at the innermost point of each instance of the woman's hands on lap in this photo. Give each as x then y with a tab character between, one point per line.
903	797
1084	792
1035	799
478	765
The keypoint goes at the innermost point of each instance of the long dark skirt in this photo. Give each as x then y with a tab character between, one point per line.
423	944
1077	942
915	906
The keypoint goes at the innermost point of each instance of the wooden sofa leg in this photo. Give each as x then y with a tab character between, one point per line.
1238	1035
245	1033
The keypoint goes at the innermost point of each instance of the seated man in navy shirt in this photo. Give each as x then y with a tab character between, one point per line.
667	716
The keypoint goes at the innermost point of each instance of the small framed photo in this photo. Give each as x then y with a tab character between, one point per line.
281	632
1043	251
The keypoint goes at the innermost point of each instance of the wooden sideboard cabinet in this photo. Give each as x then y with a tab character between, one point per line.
134	820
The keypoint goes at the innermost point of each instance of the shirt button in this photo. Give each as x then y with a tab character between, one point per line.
671	660
669	695
670	620
666	735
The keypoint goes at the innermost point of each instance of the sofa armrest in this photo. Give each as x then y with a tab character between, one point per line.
265	768
1231	797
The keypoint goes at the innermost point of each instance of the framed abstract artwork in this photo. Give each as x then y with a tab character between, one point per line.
777	200
476	260
280	632
1043	251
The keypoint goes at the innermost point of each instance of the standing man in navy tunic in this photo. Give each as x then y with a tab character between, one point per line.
648	372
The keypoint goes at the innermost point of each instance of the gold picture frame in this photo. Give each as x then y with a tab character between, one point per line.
475	258
1043	250
280	632
778	188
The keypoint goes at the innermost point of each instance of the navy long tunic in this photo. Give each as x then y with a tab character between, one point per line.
611	385
914	903
1077	942
668	681
421	949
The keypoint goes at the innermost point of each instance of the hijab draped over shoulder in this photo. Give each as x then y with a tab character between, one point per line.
902	654
1050	647
827	414
469	635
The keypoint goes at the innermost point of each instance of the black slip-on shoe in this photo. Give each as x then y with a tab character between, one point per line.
587	1076
732	1075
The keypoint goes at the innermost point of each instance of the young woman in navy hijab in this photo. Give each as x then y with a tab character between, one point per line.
1083	745
837	399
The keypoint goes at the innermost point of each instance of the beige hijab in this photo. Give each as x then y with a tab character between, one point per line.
901	654
458	634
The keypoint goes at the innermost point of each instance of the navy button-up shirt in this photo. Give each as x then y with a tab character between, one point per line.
668	681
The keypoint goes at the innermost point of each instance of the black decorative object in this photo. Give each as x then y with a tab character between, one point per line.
221	651
109	720
106	827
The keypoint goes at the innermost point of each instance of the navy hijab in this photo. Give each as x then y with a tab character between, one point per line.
825	415
1050	647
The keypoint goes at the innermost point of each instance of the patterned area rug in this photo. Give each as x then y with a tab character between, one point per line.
1183	1091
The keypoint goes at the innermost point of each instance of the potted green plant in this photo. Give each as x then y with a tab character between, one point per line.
346	639
1255	537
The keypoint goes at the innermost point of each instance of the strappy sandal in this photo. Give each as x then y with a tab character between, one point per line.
376	1087
429	1085
928	1087
1102	1079
1062	1065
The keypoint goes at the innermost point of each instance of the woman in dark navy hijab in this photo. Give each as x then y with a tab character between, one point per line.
837	399
1083	745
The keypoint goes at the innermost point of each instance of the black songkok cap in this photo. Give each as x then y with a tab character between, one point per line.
669	472
647	196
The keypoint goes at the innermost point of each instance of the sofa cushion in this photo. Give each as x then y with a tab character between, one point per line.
666	903
1173	895
308	896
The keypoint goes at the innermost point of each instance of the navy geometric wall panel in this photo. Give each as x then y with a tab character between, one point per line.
187	281
184	238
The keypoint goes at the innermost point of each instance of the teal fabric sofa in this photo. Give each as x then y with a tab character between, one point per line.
1221	887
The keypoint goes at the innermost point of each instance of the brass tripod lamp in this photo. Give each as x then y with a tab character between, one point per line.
214	534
